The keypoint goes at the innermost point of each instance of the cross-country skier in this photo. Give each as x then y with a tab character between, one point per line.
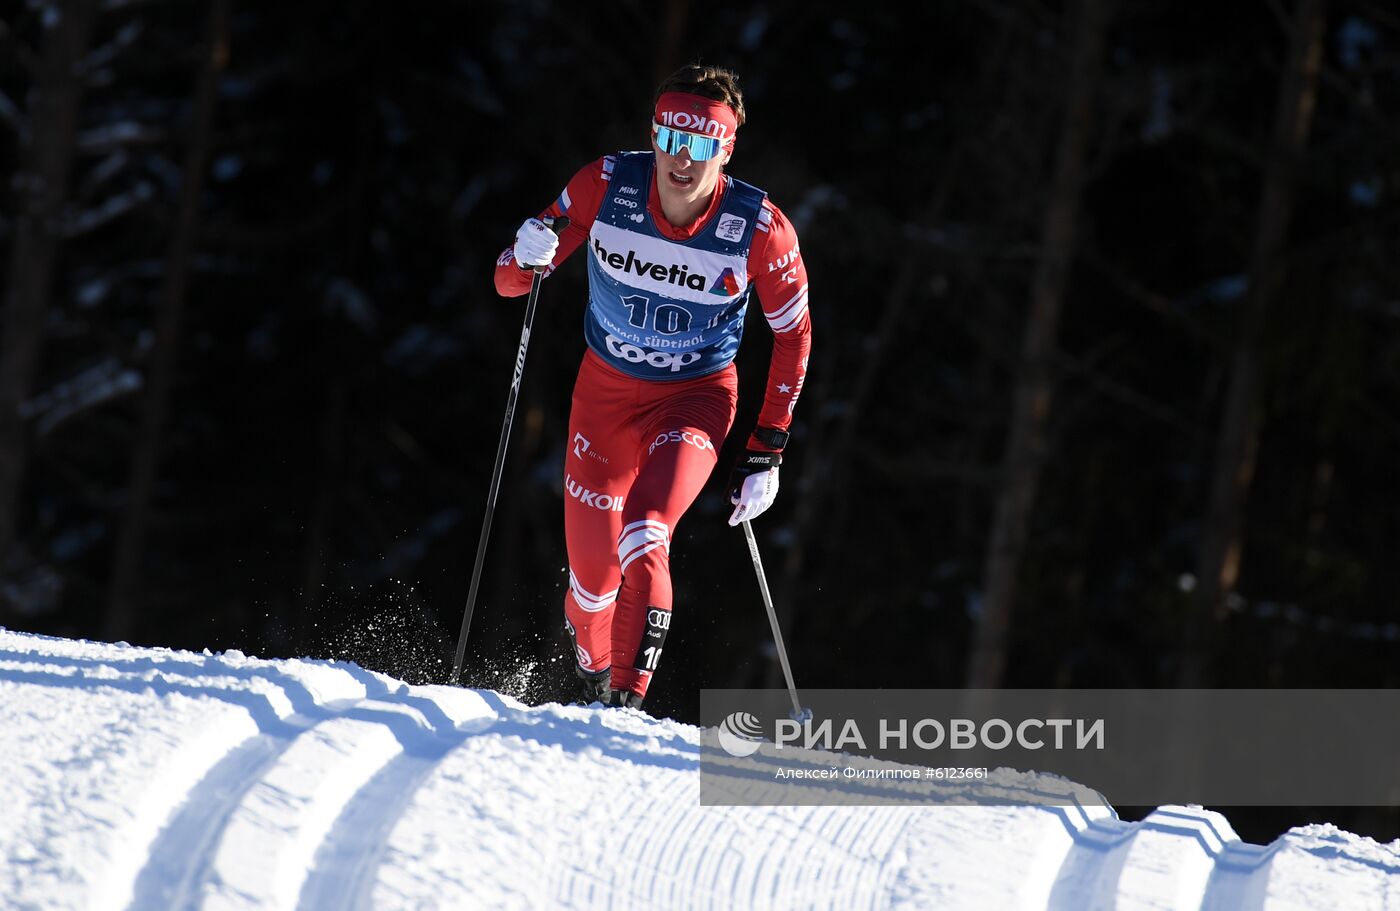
674	247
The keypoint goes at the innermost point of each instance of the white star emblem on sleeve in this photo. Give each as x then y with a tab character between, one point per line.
784	387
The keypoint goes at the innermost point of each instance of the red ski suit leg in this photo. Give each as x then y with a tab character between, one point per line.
639	453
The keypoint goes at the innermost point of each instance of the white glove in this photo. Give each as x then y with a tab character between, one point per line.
753	485
535	244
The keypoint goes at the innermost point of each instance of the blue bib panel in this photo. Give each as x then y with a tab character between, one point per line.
660	309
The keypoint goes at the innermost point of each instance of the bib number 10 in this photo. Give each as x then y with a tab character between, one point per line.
667	319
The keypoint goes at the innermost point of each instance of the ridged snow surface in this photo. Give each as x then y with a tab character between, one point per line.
138	778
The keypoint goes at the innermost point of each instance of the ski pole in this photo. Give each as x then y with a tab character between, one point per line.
557	225
799	714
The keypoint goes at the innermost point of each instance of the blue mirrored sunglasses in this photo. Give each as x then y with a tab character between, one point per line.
701	148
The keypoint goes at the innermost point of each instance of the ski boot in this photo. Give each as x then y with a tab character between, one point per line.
596	686
625	699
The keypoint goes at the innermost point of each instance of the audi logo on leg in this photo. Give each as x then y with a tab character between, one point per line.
659	619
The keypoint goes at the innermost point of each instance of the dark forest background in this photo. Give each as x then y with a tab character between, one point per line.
1104	381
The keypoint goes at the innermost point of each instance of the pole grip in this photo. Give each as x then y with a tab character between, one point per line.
557	224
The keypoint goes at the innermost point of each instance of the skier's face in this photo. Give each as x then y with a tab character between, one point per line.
681	180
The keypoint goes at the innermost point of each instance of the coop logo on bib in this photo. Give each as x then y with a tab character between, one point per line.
658	359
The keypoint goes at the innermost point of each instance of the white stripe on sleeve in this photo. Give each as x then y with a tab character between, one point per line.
786	317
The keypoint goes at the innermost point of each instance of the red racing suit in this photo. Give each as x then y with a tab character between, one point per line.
641	447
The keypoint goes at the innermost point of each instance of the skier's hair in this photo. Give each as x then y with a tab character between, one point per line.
713	82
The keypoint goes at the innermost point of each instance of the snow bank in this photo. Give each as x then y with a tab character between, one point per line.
136	778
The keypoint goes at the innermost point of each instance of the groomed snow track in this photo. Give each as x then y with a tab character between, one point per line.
139	778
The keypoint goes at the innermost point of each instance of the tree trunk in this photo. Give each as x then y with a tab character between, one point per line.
1026	445
145	458
1218	560
43	179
